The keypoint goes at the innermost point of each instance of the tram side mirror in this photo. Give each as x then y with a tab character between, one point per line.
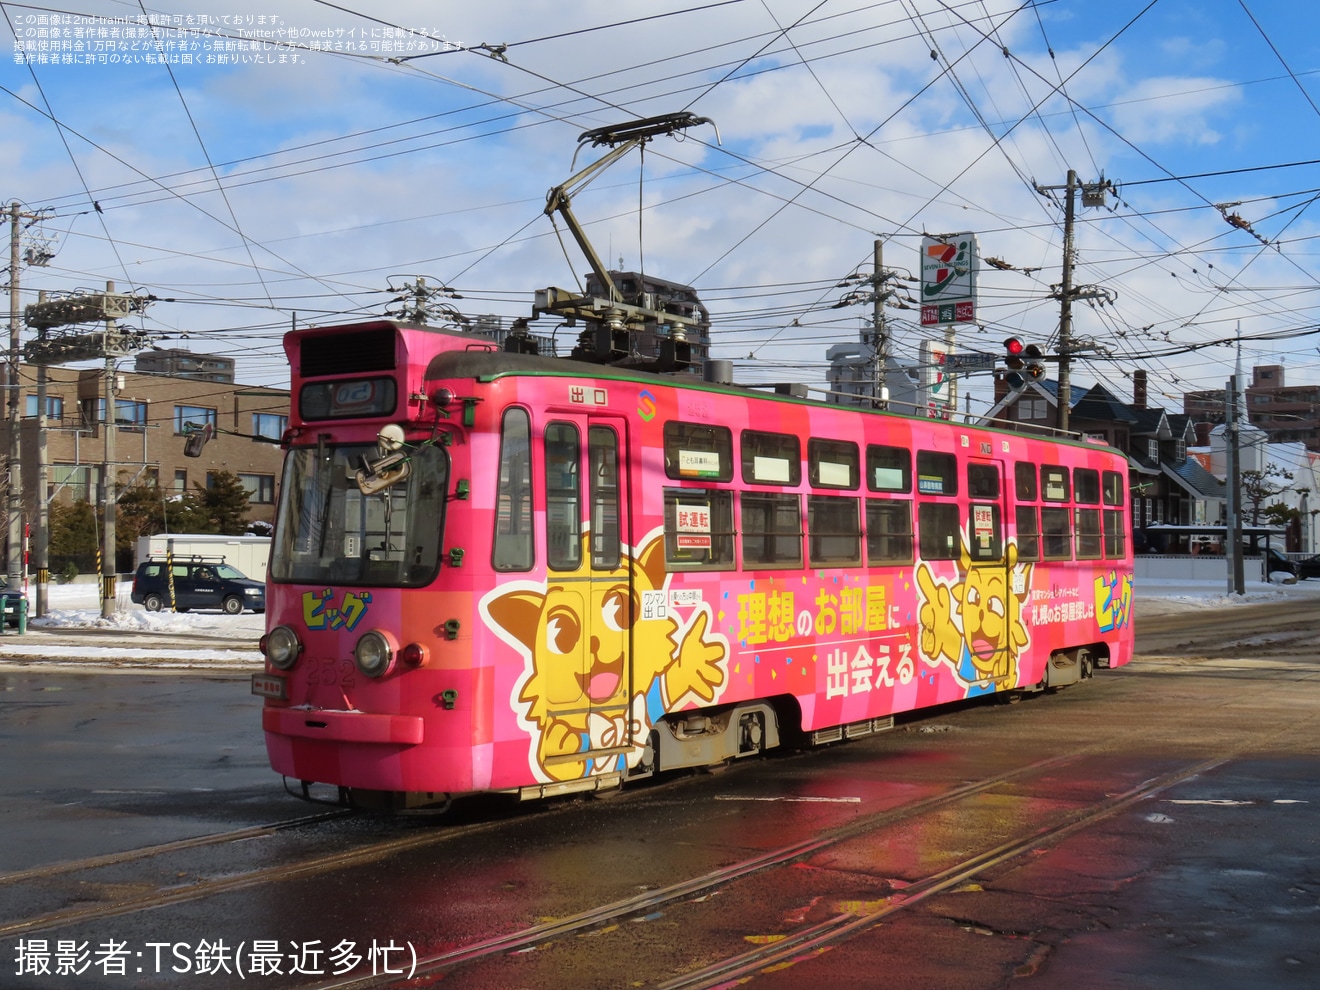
375	476
198	437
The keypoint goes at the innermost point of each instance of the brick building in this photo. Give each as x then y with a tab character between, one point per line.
1286	413
150	413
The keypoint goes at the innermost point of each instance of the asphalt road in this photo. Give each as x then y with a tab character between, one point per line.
1154	827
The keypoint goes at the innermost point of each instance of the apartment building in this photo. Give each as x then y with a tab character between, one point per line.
151	412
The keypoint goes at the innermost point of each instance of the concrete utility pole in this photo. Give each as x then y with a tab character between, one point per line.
109	343
14	561
41	532
879	338
1065	306
110	425
1093	194
1236	583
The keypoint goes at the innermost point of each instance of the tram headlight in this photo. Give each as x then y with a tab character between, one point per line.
281	647
374	654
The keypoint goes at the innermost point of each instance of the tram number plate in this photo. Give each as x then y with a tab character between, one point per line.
268	686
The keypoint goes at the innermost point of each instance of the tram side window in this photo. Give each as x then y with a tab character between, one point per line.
771	458
603	456
1056	533
1088	534
698	528
694	451
563	497
888	469
985	535
888	531
938	531
513	547
1024	481
1028	530
834	532
937	474
982	481
1111	483
771	530
832	463
1086	486
1054	483
1115	535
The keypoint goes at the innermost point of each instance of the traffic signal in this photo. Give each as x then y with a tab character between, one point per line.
1013	351
1034	361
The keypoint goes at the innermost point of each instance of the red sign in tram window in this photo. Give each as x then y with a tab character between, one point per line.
693	527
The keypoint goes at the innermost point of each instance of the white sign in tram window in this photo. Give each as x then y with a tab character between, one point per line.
699	463
888	479
772	469
835	475
693	526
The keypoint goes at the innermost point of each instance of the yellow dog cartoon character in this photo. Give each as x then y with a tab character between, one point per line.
576	695
975	622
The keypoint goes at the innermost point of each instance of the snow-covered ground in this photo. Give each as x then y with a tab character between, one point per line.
77	607
206	641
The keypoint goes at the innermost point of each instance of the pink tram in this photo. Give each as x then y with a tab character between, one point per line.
503	572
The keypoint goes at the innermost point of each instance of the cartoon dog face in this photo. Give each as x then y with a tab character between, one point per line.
575	637
975	621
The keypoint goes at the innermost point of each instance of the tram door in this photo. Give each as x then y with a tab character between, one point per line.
591	603
989	605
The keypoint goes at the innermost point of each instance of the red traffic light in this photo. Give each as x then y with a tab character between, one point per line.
1013	349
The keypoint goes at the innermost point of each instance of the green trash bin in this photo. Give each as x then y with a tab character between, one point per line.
15	609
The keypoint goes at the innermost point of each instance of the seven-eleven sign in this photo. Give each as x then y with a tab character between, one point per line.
948	279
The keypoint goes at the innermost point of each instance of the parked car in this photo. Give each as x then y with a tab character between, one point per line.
10	597
1308	567
1279	564
199	582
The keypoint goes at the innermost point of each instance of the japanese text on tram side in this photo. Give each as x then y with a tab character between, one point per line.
247	960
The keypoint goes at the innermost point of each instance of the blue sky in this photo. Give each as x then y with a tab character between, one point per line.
258	185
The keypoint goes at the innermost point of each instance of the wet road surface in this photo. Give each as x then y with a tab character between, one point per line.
1155	827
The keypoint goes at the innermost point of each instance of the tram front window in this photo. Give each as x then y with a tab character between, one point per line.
328	531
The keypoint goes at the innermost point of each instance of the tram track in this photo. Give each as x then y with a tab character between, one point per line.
446	964
166	848
840	927
644	903
178	894
847	925
821	936
210	887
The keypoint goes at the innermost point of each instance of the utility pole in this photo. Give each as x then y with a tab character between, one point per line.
879	339
1236	584
14	562
110	425
1093	194
876	339
109	343
1065	306
41	537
